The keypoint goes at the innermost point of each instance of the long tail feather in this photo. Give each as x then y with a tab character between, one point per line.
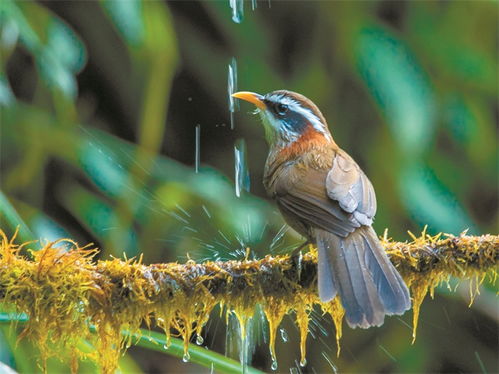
359	270
327	288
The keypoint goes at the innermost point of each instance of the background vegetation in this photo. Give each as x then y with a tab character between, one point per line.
99	104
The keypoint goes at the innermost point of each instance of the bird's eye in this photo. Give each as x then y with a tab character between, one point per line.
281	109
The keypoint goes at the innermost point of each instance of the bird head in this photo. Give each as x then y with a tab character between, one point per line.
288	117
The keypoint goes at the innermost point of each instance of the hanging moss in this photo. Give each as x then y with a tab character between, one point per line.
63	292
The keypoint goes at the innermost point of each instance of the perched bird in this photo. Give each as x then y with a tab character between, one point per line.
325	196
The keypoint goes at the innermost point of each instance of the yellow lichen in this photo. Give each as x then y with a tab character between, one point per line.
303	309
336	311
275	309
64	291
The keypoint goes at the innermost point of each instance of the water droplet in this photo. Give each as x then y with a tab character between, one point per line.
253	4
186	357
165	346
199	340
206	211
231	88
242	177
274	365
197	155
303	362
237	7
284	335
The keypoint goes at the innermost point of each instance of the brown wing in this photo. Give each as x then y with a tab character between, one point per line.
302	197
347	184
338	201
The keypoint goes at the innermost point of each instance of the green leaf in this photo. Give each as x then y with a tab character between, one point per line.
58	52
55	74
63	43
399	86
459	119
6	94
11	13
100	218
10	218
103	168
127	16
41	224
431	203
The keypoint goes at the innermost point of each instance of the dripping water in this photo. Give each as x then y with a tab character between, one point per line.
284	335
231	88
240	340
245	345
242	178
274	364
237	7
199	340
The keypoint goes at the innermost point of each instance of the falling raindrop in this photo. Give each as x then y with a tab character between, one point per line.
206	211
253	4
278	237
243	346
231	88
303	362
198	148
284	335
186	357
330	362
387	353
237	7
199	340
242	178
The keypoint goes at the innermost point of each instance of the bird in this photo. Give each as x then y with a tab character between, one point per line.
324	195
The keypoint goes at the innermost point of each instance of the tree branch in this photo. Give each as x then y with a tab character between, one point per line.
62	291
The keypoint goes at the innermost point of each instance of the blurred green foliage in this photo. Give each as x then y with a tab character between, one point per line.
99	103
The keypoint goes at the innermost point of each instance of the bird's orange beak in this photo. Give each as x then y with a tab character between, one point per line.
251	97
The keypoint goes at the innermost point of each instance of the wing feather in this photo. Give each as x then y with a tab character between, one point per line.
347	184
307	200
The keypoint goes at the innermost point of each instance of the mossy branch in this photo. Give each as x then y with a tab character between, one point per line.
63	291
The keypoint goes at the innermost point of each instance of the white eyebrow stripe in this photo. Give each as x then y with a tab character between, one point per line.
296	107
